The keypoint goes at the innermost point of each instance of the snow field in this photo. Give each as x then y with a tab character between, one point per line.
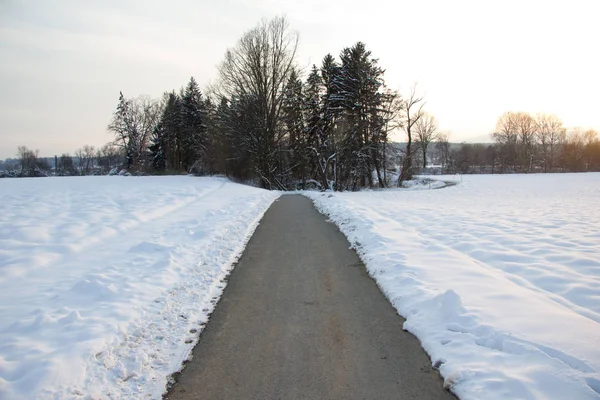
499	277
107	282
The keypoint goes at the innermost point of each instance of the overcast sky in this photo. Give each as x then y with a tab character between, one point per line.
63	62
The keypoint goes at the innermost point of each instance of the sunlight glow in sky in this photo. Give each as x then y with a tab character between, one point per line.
64	62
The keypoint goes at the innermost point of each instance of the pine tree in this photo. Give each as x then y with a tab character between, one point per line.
331	111
331	99
158	148
251	148
295	162
124	130
361	98
194	128
214	157
224	136
171	123
313	127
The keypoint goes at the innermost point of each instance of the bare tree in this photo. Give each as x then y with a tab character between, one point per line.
442	146
550	132
86	156
426	131
109	156
413	111
464	158
132	125
146	114
591	152
80	161
65	165
527	141
89	153
257	70
28	160
506	135
573	151
393	107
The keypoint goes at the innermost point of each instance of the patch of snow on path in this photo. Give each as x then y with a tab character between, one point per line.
498	276
107	282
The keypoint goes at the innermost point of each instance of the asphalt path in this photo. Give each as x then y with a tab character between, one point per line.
301	319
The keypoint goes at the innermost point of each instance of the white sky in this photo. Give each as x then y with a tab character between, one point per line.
63	62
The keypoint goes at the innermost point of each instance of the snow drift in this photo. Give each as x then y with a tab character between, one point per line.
107	282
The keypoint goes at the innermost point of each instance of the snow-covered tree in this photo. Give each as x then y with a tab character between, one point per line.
193	115
293	151
158	148
132	124
360	93
313	127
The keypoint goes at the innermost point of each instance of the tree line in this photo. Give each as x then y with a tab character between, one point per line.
263	121
86	160
540	143
523	144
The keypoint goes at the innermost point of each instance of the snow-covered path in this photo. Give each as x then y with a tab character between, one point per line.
498	276
105	282
301	319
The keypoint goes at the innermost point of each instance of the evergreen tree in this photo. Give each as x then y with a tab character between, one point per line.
330	113
296	161
223	134
251	148
171	122
271	126
214	157
331	98
313	127
124	129
360	96
157	148
193	115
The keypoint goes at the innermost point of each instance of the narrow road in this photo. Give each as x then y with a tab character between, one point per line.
301	319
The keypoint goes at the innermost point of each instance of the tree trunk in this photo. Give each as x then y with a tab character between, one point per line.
406	173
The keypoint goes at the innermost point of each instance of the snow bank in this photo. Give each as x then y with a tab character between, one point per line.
421	184
107	282
498	276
